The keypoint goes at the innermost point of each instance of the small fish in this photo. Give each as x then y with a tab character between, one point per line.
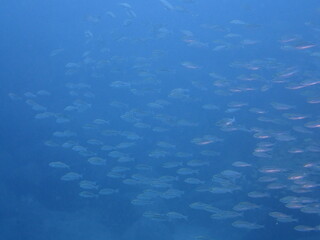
108	191
187	171
97	161
71	176
176	215
86	194
58	165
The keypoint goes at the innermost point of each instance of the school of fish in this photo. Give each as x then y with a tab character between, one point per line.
221	139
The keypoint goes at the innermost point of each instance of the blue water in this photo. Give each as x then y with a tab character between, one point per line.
173	59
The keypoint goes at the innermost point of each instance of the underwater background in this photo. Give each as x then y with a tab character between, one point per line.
160	119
